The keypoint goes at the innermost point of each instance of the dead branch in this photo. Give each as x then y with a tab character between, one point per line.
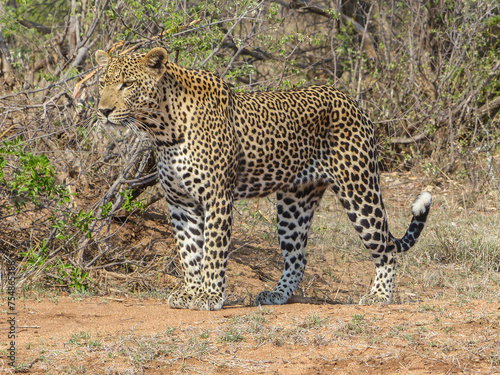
33	25
5	61
405	141
489	109
367	42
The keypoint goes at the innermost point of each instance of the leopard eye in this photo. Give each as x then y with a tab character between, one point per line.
101	85
127	84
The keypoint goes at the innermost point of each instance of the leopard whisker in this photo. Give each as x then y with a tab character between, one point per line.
149	118
140	126
90	124
131	124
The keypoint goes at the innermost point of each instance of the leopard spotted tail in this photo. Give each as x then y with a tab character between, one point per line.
420	209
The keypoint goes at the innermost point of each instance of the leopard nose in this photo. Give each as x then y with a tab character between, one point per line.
106	111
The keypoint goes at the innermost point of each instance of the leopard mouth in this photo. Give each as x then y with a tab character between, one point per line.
107	122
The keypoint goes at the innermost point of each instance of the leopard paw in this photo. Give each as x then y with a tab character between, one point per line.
207	302
372	299
180	299
270	298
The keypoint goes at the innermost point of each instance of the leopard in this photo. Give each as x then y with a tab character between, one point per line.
215	145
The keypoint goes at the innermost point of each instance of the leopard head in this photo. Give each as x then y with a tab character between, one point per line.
128	88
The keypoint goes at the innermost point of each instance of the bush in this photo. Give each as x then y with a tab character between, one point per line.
426	72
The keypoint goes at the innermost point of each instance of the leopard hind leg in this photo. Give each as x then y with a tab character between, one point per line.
367	214
368	217
295	210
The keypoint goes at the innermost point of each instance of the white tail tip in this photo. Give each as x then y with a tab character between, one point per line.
421	204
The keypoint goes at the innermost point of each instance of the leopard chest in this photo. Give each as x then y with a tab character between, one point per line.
179	180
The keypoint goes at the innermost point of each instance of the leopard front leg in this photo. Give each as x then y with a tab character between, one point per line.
218	222
295	211
188	224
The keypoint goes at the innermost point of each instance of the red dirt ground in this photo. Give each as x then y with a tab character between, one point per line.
432	329
439	338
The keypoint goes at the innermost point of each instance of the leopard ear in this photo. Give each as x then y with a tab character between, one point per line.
102	58
155	60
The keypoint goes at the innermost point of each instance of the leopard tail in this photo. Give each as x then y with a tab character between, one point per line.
420	209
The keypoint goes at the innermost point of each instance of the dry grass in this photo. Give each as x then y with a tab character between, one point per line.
444	316
455	338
